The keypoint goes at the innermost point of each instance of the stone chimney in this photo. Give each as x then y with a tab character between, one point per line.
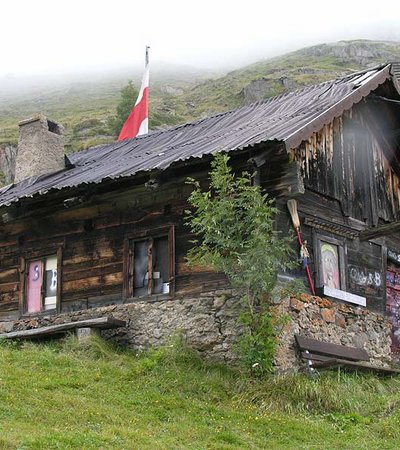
40	148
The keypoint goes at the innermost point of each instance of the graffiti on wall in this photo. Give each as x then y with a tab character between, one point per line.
365	277
393	256
365	280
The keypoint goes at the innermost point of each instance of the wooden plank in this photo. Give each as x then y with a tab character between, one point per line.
150	266
333	350
172	259
9	287
128	268
9	275
59	277
100	323
102	269
382	230
93	292
72	265
11	305
98	282
355	365
23	284
96	301
314	357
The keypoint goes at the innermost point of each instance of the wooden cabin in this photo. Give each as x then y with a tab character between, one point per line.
105	226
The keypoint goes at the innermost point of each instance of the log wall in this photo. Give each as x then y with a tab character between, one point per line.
91	239
345	176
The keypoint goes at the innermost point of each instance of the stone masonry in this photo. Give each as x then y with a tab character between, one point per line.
40	148
333	322
209	323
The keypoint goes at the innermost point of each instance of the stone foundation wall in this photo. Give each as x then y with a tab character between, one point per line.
209	322
333	322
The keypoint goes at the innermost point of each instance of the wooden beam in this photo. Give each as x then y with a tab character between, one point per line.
379	231
101	323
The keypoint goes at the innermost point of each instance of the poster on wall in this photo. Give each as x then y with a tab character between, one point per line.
34	288
330	265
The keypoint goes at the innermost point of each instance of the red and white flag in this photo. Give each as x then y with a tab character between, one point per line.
137	122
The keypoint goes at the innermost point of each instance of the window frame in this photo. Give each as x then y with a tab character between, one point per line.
342	252
24	264
129	262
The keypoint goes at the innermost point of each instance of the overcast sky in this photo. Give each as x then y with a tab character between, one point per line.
50	36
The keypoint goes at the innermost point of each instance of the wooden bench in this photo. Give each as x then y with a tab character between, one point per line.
319	354
100	323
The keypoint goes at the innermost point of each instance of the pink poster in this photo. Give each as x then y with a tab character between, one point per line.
34	291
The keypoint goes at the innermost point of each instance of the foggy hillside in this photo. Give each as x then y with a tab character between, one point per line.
84	102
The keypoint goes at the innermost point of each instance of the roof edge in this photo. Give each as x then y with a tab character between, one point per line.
336	110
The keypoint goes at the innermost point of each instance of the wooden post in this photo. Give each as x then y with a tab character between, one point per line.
150	266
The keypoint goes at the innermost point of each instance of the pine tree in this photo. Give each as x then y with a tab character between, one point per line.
129	96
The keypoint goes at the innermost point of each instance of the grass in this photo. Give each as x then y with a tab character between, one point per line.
68	396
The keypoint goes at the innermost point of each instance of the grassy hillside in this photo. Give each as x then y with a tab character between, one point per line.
65	396
300	68
83	105
179	95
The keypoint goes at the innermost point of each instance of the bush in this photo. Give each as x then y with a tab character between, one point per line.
128	99
233	222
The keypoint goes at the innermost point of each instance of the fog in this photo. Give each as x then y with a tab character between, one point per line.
47	38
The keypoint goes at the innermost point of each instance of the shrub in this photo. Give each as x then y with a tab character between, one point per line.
233	221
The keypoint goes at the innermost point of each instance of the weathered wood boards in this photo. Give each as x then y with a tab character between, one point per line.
347	162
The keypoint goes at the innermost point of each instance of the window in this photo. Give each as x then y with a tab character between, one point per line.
41	291
149	266
331	263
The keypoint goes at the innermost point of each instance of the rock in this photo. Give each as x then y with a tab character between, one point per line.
340	320
360	340
288	83
344	308
171	90
373	335
6	327
257	90
305	297
328	315
58	321
296	305
219	301
32	324
323	302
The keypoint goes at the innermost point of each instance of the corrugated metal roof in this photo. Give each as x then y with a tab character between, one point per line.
289	118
